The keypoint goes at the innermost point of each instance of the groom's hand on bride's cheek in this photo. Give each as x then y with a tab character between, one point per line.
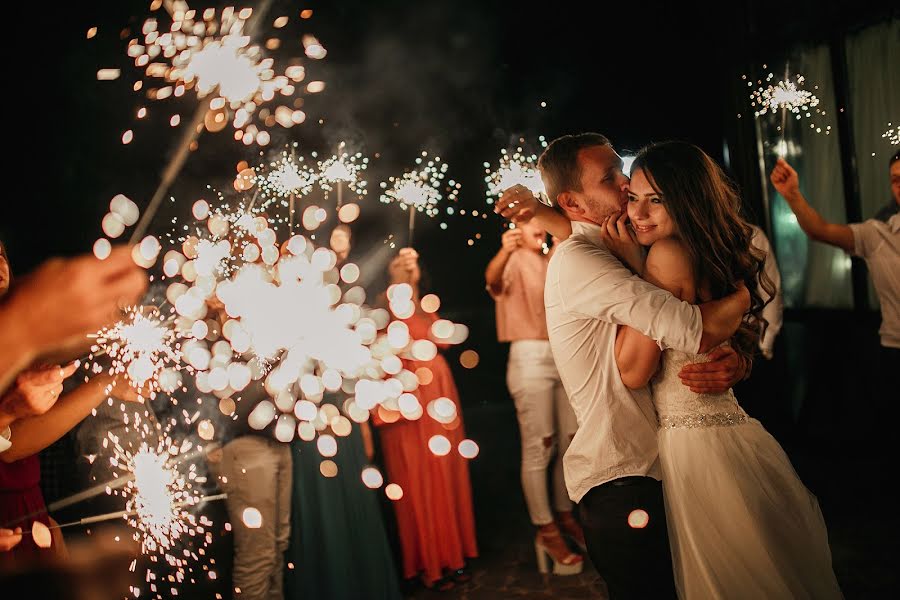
722	371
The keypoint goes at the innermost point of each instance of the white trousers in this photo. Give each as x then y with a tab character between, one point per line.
546	424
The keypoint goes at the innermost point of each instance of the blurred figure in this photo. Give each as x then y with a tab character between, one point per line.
21	499
59	303
255	470
877	242
515	279
893	207
763	394
435	518
339	547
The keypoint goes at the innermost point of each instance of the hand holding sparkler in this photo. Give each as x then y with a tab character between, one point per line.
785	179
9	538
405	267
511	240
518	204
68	298
34	392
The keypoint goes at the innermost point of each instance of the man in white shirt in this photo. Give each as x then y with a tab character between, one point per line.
878	243
611	466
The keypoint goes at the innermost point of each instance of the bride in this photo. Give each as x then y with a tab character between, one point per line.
741	523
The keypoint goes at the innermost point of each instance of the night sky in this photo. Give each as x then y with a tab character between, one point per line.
460	79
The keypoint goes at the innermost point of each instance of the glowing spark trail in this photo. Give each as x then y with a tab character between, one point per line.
341	170
788	96
141	345
419	190
518	169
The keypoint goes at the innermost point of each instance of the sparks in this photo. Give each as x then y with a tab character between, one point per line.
420	189
892	135
141	345
287	176
343	170
515	169
215	58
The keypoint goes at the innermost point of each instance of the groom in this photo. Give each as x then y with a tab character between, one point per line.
612	468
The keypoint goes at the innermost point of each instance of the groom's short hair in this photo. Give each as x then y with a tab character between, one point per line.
559	166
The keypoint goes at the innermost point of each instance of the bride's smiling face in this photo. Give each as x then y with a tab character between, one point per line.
647	211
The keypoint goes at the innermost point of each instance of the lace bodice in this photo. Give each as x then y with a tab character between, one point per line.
677	406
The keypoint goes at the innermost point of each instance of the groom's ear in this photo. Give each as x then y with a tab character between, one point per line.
569	203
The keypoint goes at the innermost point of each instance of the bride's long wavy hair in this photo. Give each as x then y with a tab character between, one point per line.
706	210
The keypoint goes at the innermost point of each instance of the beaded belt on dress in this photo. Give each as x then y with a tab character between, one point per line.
703	420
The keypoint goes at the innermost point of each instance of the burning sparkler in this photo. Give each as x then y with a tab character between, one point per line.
420	190
341	170
788	96
515	169
212	54
141	345
892	135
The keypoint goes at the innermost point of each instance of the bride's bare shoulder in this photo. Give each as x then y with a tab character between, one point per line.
671	254
669	266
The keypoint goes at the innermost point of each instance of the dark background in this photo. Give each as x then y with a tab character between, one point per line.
462	80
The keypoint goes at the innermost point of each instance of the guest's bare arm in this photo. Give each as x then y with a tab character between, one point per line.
493	275
786	181
33	393
64	300
33	434
519	205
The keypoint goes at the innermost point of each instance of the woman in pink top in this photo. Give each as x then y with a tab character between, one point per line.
515	279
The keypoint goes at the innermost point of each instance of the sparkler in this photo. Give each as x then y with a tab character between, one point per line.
343	169
419	190
285	180
892	135
213	56
140	345
787	95
222	76
515	169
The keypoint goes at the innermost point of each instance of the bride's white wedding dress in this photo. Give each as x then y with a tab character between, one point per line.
741	523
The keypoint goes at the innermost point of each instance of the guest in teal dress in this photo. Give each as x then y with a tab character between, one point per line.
339	548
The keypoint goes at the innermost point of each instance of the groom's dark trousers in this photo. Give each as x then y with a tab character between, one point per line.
635	562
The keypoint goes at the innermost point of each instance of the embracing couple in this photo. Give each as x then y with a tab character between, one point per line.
653	304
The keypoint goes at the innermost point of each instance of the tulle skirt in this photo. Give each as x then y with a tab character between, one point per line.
741	523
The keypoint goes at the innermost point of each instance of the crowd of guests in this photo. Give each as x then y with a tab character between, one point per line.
325	534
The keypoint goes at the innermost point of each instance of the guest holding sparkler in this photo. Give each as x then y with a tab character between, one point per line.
877	242
60	303
515	279
435	518
21	500
339	548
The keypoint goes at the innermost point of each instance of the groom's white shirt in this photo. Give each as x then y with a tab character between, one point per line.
587	293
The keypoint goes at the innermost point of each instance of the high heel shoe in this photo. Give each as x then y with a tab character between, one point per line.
568	563
572	530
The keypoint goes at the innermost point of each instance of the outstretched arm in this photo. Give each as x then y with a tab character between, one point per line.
787	183
519	205
33	434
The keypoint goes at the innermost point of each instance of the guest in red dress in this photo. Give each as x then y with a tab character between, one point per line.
435	519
